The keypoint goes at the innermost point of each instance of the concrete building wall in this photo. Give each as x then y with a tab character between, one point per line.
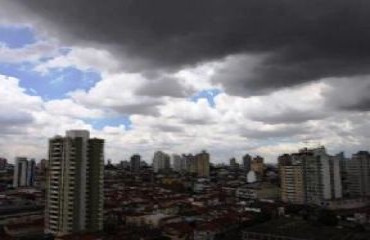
247	160
258	166
24	172
321	176
75	184
310	176
292	187
161	161
202	163
358	174
135	163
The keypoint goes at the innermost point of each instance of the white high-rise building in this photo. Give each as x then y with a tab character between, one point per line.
310	176
24	172
75	184
161	161
321	174
176	162
179	163
358	174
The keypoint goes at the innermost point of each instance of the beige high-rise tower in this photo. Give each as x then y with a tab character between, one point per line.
75	184
202	164
291	176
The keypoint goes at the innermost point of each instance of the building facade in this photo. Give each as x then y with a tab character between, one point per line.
202	164
179	163
3	163
321	176
24	172
258	167
247	160
75	184
233	164
358	174
310	176
291	179
135	163
161	161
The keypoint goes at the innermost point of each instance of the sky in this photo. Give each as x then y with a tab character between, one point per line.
263	77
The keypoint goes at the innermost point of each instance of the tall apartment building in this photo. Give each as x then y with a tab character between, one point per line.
179	163
3	163
343	161
233	164
75	184
311	175
291	177
190	162
202	164
247	160
135	163
358	174
24	172
161	161
258	167
321	176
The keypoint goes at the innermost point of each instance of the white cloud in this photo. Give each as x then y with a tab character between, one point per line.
229	129
30	121
29	53
85	59
67	107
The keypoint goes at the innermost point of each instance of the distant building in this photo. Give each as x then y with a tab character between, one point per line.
3	163
258	166
233	164
42	166
343	162
191	162
124	164
75	184
247	160
135	163
161	161
202	164
311	172
291	177
358	174
179	163
321	176
24	172
143	164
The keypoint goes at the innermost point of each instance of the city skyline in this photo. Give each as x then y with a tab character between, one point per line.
239	163
230	78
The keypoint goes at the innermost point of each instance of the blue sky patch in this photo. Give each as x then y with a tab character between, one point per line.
100	123
53	85
16	37
209	94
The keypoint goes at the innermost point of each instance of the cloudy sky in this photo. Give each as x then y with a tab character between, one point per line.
232	77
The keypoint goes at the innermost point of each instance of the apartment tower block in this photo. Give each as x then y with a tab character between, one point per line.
75	184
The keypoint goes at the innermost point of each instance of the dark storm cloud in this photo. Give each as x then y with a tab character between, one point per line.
303	40
361	105
346	95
